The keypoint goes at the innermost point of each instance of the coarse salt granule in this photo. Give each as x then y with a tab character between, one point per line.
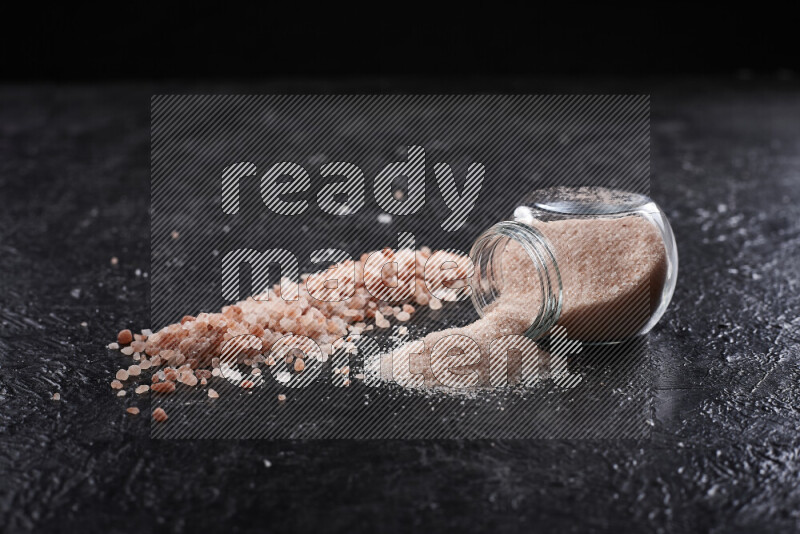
124	337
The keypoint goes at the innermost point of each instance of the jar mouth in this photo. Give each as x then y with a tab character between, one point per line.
585	201
487	280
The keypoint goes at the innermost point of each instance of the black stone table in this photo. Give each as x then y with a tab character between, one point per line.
725	449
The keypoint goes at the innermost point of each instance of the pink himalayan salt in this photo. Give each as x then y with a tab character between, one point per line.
611	272
202	338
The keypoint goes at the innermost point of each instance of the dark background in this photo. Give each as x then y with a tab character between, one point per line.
74	178
267	41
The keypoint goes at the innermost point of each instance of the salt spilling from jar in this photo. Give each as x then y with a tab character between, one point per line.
598	263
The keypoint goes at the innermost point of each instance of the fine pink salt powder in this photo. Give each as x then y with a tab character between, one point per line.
612	270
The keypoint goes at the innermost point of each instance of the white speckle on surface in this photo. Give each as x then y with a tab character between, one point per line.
267	463
384	218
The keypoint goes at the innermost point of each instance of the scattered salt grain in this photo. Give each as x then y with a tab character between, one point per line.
144	388
133	410
163	387
384	218
56	396
124	337
114	261
281	397
113	346
213	394
121	393
122	374
159	415
134	370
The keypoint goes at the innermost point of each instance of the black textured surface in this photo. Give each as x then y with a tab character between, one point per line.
725	452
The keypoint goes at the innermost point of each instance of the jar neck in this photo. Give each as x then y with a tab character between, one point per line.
487	281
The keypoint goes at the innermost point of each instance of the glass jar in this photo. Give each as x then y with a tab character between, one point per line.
601	263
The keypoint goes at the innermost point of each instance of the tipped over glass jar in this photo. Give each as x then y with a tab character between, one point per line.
600	263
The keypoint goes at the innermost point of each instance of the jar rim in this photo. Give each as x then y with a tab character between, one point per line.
586	201
484	282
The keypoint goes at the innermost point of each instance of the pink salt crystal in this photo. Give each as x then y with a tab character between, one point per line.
133	410
122	374
127	351
163	387
403	316
213	394
116	384
435	304
281	397
56	396
124	337
121	393
134	370
144	388
145	364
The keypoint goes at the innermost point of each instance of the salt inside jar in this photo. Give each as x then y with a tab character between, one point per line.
600	263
